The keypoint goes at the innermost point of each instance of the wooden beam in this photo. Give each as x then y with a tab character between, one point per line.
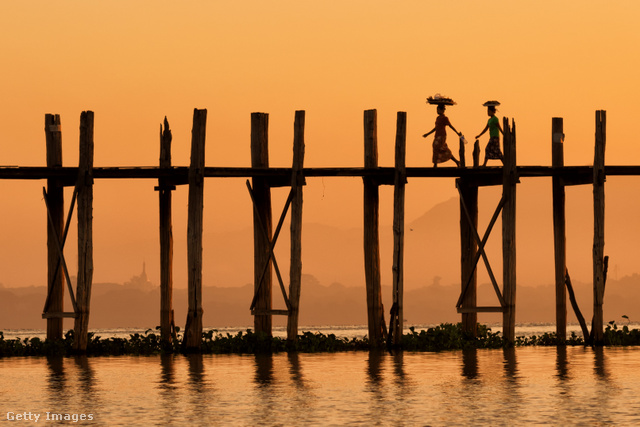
598	226
58	315
510	179
193	329
295	269
85	231
166	239
474	310
397	318
55	224
559	227
375	313
262	218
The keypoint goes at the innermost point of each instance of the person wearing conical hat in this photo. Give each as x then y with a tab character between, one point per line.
441	151
492	150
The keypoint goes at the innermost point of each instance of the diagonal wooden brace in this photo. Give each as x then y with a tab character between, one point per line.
272	244
60	252
481	252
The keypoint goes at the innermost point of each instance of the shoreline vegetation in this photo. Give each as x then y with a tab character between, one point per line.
446	336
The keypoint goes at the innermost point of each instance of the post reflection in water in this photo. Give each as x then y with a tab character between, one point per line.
562	370
86	378
510	364
600	363
606	391
199	389
167	385
57	381
470	363
263	380
374	370
264	369
295	371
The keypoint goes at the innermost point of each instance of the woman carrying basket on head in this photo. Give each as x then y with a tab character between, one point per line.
441	151
492	150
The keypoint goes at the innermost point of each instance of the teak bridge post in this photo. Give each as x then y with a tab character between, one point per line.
396	319
164	188
264	178
377	329
297	182
193	327
559	227
598	227
510	179
84	186
55	223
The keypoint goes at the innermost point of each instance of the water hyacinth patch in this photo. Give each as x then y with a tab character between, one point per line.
446	336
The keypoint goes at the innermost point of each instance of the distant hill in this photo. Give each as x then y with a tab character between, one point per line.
115	305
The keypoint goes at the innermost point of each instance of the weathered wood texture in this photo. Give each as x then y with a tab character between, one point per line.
371	237
559	227
193	328
84	185
166	239
297	183
262	223
598	225
468	253
510	179
400	180
55	224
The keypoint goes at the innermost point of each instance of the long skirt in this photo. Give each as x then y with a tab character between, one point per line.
492	151
441	152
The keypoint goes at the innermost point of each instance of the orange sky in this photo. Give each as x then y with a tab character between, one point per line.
133	63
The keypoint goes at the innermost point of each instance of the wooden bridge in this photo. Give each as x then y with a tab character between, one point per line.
261	178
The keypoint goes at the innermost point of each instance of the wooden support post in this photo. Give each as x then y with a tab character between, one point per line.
396	321
371	239
476	153
295	270
193	329
84	185
509	181
261	215
559	228
166	239
55	224
468	253
598	224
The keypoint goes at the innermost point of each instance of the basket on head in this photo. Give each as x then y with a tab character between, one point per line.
438	99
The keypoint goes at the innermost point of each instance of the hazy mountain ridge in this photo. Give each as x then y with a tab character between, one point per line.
115	305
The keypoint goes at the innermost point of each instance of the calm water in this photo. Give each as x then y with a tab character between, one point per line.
575	386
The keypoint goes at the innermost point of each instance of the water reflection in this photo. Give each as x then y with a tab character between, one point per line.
295	371
263	380
167	373
512	398
56	377
196	372
57	381
398	368
562	368
470	363
374	369
600	363
168	386
86	378
264	370
199	398
510	364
